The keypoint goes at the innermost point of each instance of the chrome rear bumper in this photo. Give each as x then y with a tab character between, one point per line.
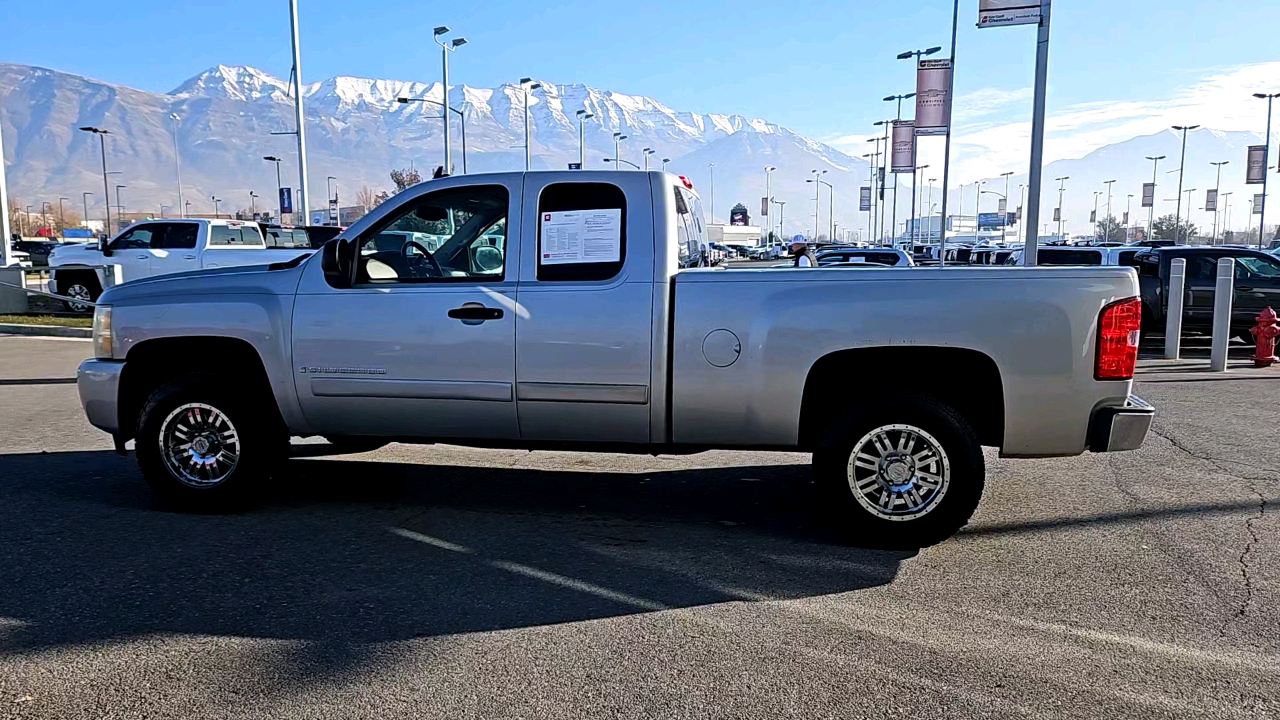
1123	427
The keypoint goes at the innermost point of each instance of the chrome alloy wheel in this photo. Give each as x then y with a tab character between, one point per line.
898	472
79	292
199	445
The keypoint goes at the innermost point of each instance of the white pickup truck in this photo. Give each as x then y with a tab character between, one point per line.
158	247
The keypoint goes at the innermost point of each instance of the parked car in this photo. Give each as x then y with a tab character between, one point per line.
157	247
990	255
37	251
542	340
1081	255
1257	285
882	256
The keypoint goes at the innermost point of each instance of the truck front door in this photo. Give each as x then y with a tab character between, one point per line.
422	344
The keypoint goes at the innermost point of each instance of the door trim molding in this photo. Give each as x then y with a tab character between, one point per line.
492	391
582	393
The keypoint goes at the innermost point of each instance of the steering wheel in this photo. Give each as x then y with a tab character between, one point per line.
415	261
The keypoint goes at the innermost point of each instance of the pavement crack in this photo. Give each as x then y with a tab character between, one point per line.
1250	524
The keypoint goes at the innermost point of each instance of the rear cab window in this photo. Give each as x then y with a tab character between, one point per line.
1062	256
235	236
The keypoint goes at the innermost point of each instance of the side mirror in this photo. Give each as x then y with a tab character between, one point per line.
335	261
104	245
488	258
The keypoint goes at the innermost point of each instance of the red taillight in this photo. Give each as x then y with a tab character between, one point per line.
687	182
1119	327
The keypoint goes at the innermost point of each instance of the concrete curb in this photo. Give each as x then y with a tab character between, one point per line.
45	330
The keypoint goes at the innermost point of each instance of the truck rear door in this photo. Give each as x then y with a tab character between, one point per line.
583	333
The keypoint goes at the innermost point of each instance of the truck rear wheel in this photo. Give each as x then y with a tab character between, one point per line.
901	472
204	447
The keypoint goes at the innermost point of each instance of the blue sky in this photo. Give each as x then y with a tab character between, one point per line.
820	68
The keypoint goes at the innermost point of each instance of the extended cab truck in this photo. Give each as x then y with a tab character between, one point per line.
159	247
556	315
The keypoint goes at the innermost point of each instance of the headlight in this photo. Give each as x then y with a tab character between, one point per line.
103	337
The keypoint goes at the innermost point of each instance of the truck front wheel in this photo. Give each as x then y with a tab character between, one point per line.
903	471
82	286
202	446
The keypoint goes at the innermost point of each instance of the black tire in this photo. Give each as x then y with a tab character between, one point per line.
79	285
960	473
355	444
260	444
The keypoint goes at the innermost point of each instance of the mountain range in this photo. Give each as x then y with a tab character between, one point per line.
358	131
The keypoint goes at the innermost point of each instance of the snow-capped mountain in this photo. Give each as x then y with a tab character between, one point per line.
357	131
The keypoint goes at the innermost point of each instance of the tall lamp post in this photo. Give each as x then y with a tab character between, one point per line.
1262	214
1109	183
817	202
1226	216
253	205
62	213
664	163
1096	194
1217	185
1182	167
84	197
445	47
887	160
6	231
177	163
711	190
120	206
303	184
331	184
1151	211
1062	189
106	191
215	200
583	116
618	137
647	152
462	120
768	197
1128	207
279	190
528	86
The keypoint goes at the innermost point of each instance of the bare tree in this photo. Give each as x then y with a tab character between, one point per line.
404	178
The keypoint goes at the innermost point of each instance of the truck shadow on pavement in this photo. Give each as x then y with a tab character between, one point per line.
344	554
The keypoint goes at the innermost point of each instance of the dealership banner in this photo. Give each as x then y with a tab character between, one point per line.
1148	194
997	13
1057	214
1211	200
933	97
904	146
1256	167
286	201
864	199
1093	216
1257	204
764	207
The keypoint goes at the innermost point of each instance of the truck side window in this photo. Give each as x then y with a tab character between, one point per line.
138	238
588	226
456	234
176	236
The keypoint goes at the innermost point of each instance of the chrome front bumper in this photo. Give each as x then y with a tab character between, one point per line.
1123	427
99	382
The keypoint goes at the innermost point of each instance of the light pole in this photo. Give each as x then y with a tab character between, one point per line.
106	192
1110	215
44	213
1217	185
1096	194
1186	231
664	163
946	153
1062	189
931	206
529	86
618	137
871	213
119	207
331	184
1128	207
875	192
768	197
782	210
1182	166
894	214
215	200
445	47
888	159
711	190
977	208
6	230
1151	211
62	213
84	197
253	205
186	210
583	116
1004	221
279	188
647	152
916	196
162	207
303	185
462	120
1262	214
177	163
1226	217
620	162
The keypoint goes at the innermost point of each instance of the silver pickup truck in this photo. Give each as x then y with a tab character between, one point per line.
552	311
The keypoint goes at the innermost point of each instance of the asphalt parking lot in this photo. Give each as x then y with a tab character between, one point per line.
445	582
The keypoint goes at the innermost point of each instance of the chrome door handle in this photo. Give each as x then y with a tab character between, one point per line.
188	257
144	257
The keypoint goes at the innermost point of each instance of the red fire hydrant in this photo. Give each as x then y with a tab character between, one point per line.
1264	337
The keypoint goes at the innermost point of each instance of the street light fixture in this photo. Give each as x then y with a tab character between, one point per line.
619	161
106	192
529	86
646	153
664	163
1262	214
583	116
618	137
462	120
177	163
445	47
1183	164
